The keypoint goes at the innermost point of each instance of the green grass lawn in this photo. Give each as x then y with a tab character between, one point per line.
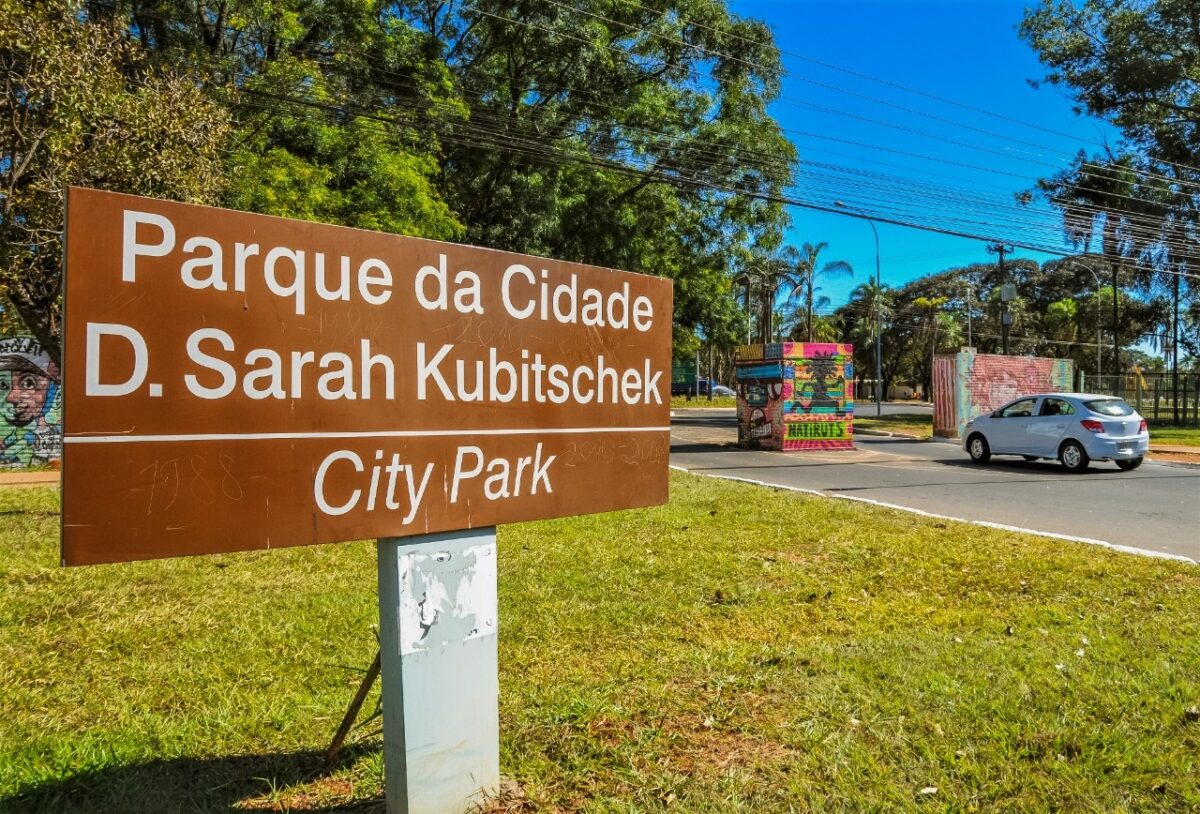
1183	436
739	650
915	425
716	401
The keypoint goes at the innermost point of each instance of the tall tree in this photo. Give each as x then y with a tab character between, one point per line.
1062	325
1111	56
81	106
937	329
618	134
807	270
1135	64
868	311
336	104
764	276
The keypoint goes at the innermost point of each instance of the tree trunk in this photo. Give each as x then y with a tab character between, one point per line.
44	320
1175	350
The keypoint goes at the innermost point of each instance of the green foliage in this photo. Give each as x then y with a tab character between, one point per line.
1134	64
1109	55
352	176
1062	320
762	277
331	102
603	133
82	107
1055	314
806	271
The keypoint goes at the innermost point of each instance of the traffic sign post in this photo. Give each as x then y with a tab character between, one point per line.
235	382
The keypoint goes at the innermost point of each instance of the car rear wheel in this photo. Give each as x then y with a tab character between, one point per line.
977	448
1131	464
1073	457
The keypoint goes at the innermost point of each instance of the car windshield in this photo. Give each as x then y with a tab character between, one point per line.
1115	407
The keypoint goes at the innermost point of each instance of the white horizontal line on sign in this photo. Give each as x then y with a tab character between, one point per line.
287	436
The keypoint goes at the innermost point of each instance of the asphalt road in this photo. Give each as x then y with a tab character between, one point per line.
1154	508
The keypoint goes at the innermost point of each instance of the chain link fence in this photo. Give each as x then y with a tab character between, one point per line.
1155	395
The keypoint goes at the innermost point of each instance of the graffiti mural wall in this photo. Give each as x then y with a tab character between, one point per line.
795	396
30	405
967	384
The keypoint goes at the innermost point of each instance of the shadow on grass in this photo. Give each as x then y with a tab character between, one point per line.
302	781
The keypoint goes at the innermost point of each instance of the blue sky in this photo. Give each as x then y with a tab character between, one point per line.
854	148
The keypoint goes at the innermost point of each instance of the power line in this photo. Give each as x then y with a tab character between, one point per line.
507	135
539	149
694	145
888	83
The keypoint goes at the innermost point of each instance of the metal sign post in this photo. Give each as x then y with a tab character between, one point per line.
440	686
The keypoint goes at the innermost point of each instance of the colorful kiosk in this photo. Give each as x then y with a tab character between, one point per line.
795	396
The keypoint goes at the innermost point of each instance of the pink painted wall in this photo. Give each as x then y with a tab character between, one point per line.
968	384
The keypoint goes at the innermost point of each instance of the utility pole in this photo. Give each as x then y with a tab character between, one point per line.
970	344
1116	331
878	321
1006	293
1175	344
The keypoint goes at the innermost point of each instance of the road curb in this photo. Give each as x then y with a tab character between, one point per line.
1125	549
886	434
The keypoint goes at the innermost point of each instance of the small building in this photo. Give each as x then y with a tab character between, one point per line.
795	396
968	384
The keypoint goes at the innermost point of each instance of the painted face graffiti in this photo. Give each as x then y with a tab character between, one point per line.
30	429
27	395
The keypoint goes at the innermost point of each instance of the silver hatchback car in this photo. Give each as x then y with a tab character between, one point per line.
1074	428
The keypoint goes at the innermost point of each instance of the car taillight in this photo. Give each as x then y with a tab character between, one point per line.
1091	425
1143	427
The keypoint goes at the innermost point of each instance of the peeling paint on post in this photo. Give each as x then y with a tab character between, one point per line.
437	638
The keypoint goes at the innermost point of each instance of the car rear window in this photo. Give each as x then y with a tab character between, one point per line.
1109	407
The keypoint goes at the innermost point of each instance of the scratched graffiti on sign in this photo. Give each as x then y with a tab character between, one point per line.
30	405
795	396
967	384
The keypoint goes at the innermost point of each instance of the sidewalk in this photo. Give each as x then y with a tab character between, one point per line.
1174	449
19	477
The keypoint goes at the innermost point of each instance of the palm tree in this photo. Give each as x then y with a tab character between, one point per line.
764	276
1091	192
939	327
806	272
1061	324
875	302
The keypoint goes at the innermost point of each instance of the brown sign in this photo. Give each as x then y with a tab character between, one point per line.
236	381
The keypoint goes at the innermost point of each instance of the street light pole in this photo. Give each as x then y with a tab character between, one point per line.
970	343
1099	343
878	325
